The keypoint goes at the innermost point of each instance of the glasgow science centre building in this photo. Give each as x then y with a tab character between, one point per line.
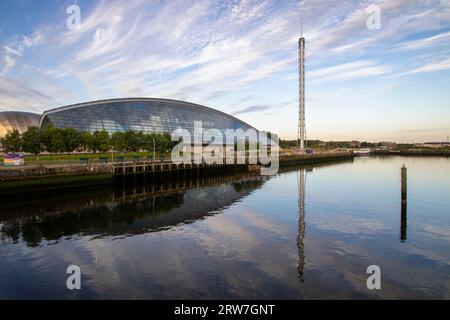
148	115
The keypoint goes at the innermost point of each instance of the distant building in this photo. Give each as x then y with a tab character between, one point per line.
354	144
388	145
433	145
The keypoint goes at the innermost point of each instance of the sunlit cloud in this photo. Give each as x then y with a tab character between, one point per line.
430	67
347	71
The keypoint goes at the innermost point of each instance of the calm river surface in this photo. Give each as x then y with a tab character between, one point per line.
306	233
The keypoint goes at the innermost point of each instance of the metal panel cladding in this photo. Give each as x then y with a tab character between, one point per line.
10	120
148	115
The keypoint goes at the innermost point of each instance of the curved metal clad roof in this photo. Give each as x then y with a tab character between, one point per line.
10	120
138	99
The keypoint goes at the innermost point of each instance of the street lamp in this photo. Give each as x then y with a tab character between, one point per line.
154	150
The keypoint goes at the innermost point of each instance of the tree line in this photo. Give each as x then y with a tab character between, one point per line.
56	140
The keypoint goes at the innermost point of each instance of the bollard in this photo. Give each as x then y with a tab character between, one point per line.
404	182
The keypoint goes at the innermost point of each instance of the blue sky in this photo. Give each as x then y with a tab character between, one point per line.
387	84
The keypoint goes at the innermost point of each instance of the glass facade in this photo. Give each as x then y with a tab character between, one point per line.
10	120
140	114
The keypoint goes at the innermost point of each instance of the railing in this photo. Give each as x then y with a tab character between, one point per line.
86	160
107	160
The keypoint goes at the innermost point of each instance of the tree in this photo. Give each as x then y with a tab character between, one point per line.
169	144
55	140
12	141
100	141
147	142
132	141
32	141
118	141
141	140
47	135
71	139
57	143
85	140
163	143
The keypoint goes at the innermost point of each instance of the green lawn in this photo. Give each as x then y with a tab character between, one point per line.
92	156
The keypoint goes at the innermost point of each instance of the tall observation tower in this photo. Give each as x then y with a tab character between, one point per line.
301	135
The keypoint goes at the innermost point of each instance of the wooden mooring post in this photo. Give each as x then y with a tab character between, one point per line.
404	183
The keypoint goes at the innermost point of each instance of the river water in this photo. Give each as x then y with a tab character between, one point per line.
306	233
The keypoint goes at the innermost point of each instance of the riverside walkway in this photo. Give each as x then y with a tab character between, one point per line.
161	167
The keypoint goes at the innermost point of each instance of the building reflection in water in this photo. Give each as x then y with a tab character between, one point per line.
125	209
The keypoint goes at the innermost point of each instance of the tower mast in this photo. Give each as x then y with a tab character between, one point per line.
301	134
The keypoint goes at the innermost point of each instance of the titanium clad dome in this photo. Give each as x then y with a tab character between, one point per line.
149	115
10	120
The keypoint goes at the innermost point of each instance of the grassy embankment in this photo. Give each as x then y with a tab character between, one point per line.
91	156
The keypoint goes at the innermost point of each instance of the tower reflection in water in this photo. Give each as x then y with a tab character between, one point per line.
301	223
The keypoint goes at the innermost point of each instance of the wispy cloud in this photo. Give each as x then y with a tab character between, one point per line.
348	71
11	51
125	48
430	67
440	38
14	50
21	95
251	109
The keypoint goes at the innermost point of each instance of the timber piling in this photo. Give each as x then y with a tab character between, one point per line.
160	168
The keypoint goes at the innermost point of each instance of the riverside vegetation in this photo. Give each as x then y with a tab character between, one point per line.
67	141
